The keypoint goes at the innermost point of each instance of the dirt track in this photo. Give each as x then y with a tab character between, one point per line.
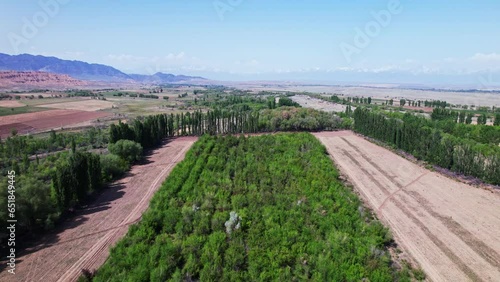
84	241
451	229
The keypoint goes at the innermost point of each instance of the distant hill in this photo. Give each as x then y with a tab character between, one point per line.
159	78
75	69
82	70
22	80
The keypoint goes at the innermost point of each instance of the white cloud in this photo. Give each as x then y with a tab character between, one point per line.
172	56
481	57
150	65
250	63
125	57
478	62
132	58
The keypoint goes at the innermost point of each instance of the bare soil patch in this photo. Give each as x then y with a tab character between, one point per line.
450	228
11	104
318	104
424	109
89	105
40	121
83	241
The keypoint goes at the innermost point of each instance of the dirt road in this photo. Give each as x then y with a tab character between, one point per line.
84	241
451	229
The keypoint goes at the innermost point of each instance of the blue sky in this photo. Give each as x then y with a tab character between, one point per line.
257	39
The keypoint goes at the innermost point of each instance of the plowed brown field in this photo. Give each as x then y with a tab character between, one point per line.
40	121
84	241
88	105
11	104
451	229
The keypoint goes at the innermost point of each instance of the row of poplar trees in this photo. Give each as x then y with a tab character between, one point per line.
80	174
413	135
75	178
152	129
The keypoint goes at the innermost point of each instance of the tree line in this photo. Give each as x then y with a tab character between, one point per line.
60	176
461	116
428	142
150	130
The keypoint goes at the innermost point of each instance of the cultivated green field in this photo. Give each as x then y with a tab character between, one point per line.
268	208
20	110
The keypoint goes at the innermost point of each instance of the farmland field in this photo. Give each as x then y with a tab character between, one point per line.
451	229
83	241
11	104
46	120
10	111
262	208
83	105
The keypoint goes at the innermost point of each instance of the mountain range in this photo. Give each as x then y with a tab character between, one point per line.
84	71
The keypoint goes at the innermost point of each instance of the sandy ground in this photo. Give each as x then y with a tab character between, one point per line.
451	229
89	105
11	104
83	242
46	120
318	104
389	92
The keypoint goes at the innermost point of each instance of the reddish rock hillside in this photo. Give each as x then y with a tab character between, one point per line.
35	79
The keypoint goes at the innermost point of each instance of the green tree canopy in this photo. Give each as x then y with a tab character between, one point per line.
127	150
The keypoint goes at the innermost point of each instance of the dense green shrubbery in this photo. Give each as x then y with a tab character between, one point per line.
82	93
127	150
459	124
233	102
16	147
112	166
149	96
47	185
298	119
485	134
287	102
253	209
